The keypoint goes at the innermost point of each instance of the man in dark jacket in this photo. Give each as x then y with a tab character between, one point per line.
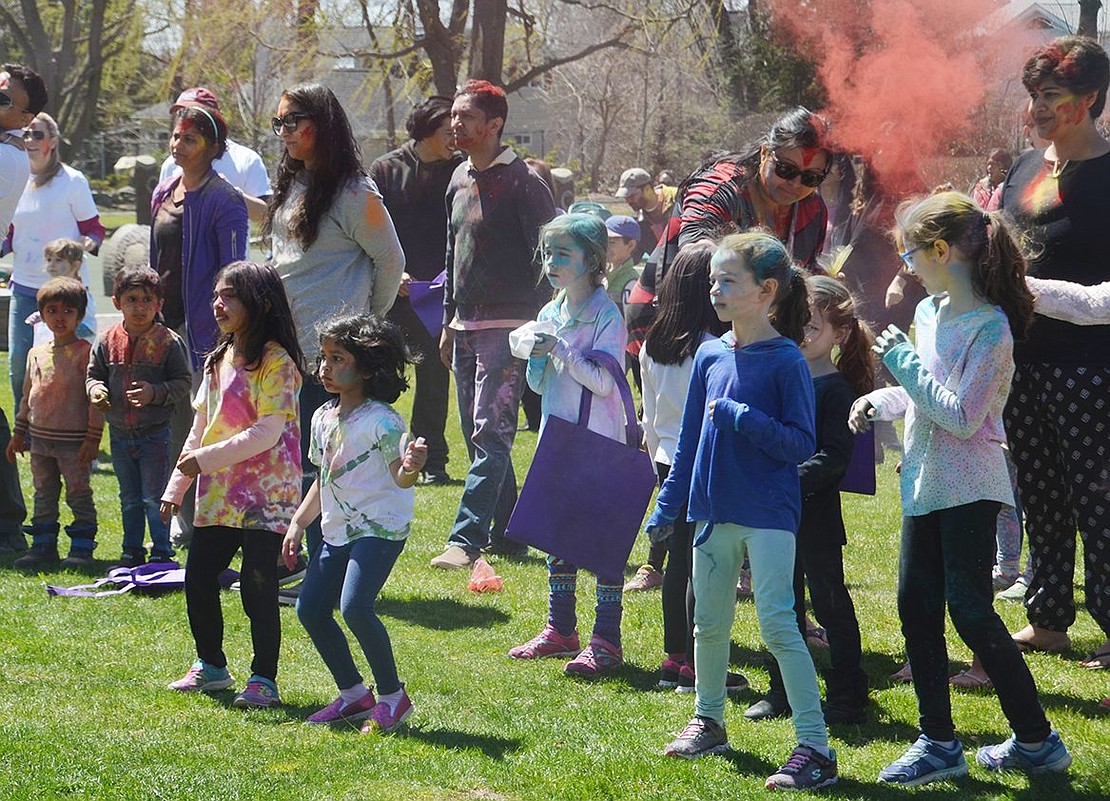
413	180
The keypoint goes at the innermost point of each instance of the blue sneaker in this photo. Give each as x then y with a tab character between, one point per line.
925	761
1051	757
203	678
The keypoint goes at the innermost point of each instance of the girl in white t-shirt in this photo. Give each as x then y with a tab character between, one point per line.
363	492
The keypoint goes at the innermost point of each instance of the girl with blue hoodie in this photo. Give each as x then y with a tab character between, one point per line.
747	424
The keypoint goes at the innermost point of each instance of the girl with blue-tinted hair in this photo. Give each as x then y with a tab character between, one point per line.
574	248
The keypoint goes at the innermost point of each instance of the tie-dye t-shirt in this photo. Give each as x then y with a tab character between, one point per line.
261	492
358	496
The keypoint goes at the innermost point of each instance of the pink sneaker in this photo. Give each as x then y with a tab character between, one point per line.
338	711
600	656
385	720
547	643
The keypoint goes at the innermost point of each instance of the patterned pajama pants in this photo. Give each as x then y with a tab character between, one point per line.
1058	426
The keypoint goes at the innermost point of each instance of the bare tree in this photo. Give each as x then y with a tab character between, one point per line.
69	42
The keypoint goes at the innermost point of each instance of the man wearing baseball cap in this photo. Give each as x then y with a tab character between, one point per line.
651	203
239	165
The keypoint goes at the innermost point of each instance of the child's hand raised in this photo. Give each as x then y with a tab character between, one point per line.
860	415
545	343
726	413
99	398
140	394
892	335
415	455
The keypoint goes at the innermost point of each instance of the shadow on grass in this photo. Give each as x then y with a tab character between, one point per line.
440	614
632	676
453	740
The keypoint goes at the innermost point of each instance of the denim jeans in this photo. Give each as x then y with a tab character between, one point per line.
352	575
489	381
946	558
13	510
142	466
312	397
209	555
717	563
20	339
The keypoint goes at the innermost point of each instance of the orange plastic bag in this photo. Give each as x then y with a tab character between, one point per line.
484	579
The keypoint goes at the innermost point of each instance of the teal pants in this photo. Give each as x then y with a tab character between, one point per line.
716	568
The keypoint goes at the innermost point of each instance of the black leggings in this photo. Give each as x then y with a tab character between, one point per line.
209	555
678	591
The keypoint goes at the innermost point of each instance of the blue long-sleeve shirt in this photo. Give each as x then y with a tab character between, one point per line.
740	465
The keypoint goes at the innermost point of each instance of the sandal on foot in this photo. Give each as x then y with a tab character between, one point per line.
966	680
1028	639
1099	660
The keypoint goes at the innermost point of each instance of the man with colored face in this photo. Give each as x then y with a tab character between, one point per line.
22	96
496	206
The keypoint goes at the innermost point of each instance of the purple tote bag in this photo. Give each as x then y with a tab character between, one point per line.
585	495
860	475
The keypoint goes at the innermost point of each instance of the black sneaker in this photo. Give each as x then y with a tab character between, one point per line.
701	737
78	558
435	476
772	706
38	557
734	682
131	559
806	769
286	576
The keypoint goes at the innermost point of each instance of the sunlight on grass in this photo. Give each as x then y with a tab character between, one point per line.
84	713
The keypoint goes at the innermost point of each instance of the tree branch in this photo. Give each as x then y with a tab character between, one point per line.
615	42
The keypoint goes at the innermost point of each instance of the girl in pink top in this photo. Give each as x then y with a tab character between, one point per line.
244	451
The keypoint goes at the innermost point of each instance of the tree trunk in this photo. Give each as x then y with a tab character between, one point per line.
487	42
1088	18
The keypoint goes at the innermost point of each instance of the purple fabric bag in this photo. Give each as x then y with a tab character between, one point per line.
426	298
585	494
152	578
860	475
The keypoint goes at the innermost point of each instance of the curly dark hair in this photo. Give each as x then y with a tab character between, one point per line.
1075	62
339	161
269	319
426	117
378	347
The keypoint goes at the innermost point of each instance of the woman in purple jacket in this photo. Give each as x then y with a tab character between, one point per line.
199	226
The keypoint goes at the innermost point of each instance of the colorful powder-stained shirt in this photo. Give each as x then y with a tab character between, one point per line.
358	496
1059	213
54	404
263	491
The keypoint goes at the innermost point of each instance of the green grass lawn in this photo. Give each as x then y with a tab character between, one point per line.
84	713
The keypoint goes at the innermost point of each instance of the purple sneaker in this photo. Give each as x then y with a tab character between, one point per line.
547	643
258	694
600	656
338	711
386	721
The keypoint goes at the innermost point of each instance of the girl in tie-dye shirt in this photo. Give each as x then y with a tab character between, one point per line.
244	450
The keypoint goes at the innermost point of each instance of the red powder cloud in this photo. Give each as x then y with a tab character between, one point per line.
903	76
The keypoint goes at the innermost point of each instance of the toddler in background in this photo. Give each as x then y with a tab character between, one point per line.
63	428
138	371
63	259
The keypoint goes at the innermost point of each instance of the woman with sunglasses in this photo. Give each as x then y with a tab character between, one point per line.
334	243
770	184
55	204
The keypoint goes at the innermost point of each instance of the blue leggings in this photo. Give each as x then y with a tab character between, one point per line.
352	574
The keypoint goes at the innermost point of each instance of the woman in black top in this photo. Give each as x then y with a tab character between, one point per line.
1059	408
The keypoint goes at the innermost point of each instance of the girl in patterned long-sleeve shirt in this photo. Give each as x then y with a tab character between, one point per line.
954	385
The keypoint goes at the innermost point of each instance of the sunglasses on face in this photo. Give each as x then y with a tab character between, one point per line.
31	135
288	122
788	172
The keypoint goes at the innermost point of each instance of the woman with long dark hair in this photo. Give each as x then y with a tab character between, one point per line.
334	243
